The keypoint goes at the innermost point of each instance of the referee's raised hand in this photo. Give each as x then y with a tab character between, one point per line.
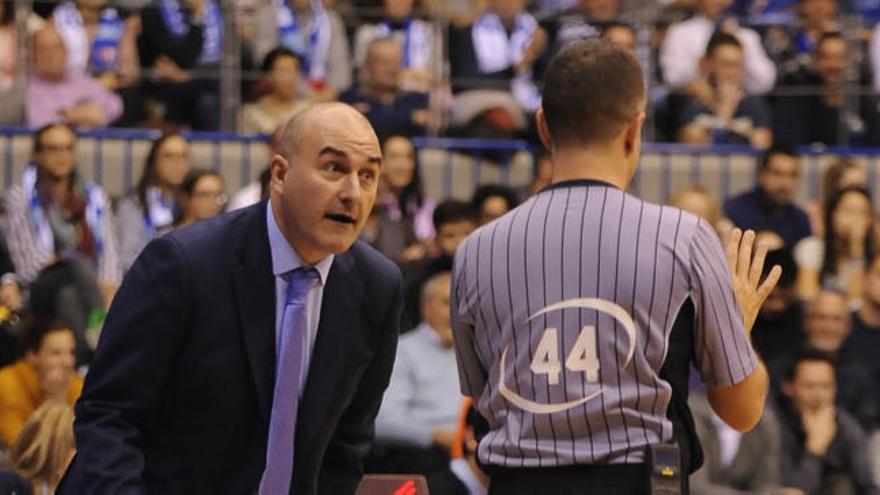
746	270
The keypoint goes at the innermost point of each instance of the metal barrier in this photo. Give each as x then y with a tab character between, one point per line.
449	167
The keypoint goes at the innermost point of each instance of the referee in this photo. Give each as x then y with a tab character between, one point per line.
577	314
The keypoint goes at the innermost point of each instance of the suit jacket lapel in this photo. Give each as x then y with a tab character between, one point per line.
255	294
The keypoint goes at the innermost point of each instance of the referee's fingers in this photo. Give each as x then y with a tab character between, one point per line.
731	249
745	255
757	264
768	284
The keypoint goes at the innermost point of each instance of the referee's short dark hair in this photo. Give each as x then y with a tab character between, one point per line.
777	149
592	89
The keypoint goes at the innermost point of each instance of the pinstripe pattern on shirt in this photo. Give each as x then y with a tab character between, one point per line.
578	241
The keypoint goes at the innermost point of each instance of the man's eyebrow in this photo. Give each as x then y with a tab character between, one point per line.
330	150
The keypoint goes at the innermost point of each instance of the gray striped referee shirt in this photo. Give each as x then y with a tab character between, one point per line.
562	311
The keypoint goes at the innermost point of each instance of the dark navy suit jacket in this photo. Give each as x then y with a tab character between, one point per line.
179	394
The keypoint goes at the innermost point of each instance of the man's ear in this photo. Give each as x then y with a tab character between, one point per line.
278	171
543	130
633	133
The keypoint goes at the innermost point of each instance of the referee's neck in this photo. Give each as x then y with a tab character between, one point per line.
589	164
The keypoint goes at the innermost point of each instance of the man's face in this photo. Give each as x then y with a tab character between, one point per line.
50	55
57	152
726	65
713	8
817	11
383	65
398	9
493	207
91	4
435	308
872	284
778	302
451	234
813	386
830	59
622	37
601	10
780	178
507	9
56	352
325	191
827	322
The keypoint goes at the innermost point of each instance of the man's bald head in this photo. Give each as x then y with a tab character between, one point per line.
50	54
317	118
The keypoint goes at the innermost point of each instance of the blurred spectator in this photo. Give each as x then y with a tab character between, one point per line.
149	210
45	373
100	41
621	34
258	190
827	324
55	94
864	338
10	288
201	197
686	42
702	202
843	173
401	218
53	214
825	115
791	44
12	92
770	205
453	221
491	201
415	36
779	326
732	117
314	32
284	98
464	476
586	20
45	447
416	424
391	110
735	463
838	259
180	43
824	450
491	62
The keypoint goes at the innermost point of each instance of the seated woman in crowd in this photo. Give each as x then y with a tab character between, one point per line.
45	373
45	447
843	173
149	210
201	197
283	99
401	219
53	215
838	258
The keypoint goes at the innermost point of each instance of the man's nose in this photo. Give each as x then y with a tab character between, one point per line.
351	189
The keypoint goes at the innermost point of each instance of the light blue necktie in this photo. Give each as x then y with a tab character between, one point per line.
282	425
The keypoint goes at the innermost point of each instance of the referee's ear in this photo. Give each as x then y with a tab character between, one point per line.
543	130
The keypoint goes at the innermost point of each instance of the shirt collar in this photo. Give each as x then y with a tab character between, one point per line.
284	257
578	183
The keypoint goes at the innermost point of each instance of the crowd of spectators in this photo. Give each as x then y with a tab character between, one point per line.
773	75
794	72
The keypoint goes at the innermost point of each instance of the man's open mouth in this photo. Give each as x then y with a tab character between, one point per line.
338	217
